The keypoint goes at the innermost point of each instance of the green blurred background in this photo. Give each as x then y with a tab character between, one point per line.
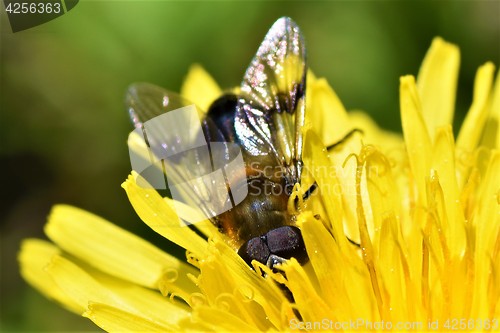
63	123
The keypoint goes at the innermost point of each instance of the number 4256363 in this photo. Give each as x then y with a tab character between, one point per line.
33	7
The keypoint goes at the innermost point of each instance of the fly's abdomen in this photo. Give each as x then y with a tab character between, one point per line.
263	209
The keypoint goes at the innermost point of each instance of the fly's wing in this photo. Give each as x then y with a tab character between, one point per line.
175	147
271	111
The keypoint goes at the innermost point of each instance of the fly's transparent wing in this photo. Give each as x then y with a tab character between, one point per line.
271	110
174	147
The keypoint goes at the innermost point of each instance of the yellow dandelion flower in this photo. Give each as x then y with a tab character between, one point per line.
424	208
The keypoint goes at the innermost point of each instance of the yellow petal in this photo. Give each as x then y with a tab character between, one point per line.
330	120
149	303
367	238
221	321
390	248
223	272
311	78
83	287
415	132
325	174
495	108
190	215
491	135
77	284
35	254
110	248
452	223
160	217
473	125
138	146
437	84
336	270
200	88
373	134
486	221
488	208
325	112
383	193
113	319
311	305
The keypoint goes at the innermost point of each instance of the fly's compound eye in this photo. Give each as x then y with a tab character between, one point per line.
287	242
254	249
283	242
